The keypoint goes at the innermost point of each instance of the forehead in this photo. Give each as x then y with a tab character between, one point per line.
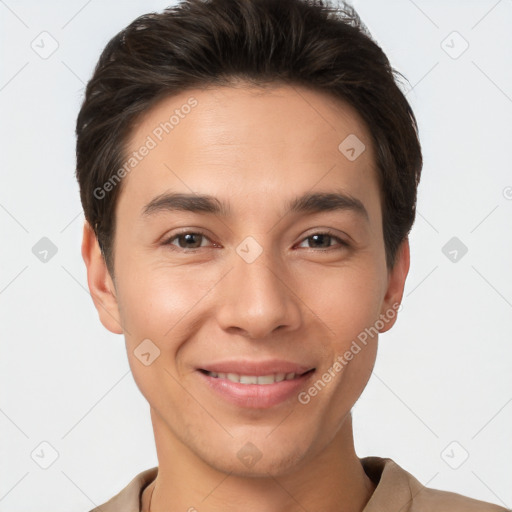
249	142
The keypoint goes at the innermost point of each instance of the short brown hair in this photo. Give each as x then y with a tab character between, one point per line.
200	43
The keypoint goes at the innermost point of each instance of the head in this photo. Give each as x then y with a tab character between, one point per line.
248	172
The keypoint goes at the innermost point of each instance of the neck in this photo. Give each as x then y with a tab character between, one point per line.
333	481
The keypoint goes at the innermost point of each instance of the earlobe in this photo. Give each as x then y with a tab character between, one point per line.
396	284
100	282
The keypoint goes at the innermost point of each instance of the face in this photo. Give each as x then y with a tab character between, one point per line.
249	271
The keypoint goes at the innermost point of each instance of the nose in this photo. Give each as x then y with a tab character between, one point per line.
258	298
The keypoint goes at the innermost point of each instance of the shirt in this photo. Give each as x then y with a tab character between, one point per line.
396	491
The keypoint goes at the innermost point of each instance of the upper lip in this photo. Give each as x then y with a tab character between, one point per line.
245	367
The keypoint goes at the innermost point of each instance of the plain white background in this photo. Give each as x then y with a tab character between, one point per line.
441	393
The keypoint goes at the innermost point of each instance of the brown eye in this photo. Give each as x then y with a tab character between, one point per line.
188	240
323	241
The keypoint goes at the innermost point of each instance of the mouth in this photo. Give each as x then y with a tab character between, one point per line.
262	380
252	385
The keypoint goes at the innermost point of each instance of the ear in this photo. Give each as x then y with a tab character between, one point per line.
100	283
396	284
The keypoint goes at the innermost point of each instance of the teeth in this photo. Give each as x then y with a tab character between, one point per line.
266	379
248	379
253	379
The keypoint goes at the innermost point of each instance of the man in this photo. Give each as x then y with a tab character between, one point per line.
248	171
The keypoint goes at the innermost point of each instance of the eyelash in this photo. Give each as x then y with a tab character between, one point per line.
342	243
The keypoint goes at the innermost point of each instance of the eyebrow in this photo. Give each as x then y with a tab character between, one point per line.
316	202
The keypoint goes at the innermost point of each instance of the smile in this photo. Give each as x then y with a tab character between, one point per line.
253	379
255	389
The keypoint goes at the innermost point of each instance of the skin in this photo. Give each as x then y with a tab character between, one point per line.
301	300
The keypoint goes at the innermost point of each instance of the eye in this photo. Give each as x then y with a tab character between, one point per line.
194	240
187	240
323	239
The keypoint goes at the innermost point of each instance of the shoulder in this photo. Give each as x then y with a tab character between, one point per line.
128	499
397	489
435	499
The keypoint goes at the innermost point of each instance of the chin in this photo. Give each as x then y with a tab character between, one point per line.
260	456
279	464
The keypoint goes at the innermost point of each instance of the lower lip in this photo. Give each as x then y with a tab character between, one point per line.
256	396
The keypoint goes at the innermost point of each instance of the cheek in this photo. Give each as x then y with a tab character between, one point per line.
346	300
349	304
167	306
155	299
158	304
